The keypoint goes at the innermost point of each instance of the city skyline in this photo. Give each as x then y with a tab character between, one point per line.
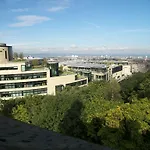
76	26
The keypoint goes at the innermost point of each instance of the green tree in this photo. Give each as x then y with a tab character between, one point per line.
21	55
130	86
144	87
44	62
15	55
118	125
35	62
20	113
61	69
113	90
1	106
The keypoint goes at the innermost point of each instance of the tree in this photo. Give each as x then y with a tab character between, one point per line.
71	123
15	55
144	87
113	90
35	62
61	69
137	86
44	62
21	55
20	113
130	86
1	106
118	125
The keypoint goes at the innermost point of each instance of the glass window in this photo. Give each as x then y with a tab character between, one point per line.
22	67
23	93
22	76
5	54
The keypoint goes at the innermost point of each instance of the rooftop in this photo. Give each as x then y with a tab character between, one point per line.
85	65
3	45
15	135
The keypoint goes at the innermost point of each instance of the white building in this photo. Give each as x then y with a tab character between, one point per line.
17	81
95	71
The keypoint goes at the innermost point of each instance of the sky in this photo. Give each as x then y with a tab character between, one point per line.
76	26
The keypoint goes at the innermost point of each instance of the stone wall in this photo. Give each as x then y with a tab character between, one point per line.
15	135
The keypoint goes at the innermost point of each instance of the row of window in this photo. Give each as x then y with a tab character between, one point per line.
91	69
83	82
101	77
60	87
22	76
117	69
22	84
23	93
9	68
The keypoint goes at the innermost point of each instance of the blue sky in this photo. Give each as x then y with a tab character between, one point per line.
86	26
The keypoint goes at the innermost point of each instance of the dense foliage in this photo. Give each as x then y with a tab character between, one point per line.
137	86
107	113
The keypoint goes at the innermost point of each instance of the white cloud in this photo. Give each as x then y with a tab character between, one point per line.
59	5
29	20
20	10
93	24
55	9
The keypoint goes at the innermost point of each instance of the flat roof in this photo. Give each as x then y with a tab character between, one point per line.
86	65
12	63
52	62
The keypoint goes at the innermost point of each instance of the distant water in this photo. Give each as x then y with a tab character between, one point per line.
42	55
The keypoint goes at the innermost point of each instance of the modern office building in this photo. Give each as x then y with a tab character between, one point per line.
18	80
95	71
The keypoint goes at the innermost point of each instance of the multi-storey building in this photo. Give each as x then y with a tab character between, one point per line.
17	80
96	71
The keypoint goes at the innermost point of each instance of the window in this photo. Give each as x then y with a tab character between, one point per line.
5	54
9	68
2	86
117	69
9	85
22	76
77	83
22	67
28	92
23	84
97	77
59	88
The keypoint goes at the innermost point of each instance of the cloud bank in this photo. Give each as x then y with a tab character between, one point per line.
55	9
29	20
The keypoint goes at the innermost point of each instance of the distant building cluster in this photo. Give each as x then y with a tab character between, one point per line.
18	79
30	58
95	71
98	68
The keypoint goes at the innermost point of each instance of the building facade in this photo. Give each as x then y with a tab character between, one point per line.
101	71
16	80
6	54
